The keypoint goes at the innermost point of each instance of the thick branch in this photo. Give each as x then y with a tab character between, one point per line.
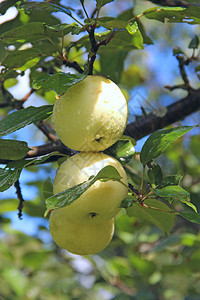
146	125
142	127
49	148
174	3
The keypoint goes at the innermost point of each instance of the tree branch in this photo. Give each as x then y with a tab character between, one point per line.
49	148
73	64
20	197
138	129
146	125
174	3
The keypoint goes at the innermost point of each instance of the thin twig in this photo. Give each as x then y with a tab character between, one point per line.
73	64
160	209
181	61
20	197
85	11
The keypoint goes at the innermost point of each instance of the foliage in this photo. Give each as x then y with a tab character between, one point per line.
156	242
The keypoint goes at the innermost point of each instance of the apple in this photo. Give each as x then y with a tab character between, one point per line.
102	200
79	239
91	115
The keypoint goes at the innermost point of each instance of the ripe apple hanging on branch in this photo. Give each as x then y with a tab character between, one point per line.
91	115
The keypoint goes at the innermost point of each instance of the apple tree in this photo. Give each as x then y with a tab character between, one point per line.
150	49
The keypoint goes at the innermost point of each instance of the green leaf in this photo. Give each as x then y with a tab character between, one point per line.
24	117
108	173
59	82
60	30
7	74
113	66
28	32
127	202
22	59
12	171
19	164
70	195
35	31
174	14
163	220
111	23
13	150
175	192
123	149
46	6
100	3
194	44
177	51
194	218
5	5
8	177
155	174
170	180
159	141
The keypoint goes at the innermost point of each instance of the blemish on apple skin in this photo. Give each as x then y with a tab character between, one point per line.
93	214
98	139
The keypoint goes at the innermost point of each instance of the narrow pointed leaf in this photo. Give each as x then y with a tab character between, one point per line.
24	117
194	44
159	141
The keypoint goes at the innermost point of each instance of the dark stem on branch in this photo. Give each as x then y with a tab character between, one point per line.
20	197
95	46
73	65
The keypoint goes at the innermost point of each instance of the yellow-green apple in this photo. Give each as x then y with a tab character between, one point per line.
82	239
101	201
91	115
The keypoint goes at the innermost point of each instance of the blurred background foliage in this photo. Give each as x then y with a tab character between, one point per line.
141	262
